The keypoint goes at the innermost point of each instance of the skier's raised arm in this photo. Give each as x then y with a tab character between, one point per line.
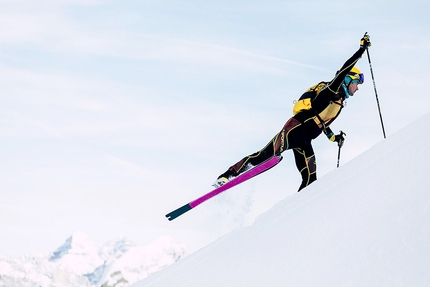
336	83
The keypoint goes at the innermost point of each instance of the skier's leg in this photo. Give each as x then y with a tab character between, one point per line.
306	164
279	143
249	161
276	146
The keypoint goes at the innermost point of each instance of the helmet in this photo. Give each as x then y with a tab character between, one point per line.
354	76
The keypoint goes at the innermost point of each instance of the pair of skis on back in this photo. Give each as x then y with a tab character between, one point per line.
256	170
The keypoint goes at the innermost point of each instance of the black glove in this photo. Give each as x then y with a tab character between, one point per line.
365	42
339	139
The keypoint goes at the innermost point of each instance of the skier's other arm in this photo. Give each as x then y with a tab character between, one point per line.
334	138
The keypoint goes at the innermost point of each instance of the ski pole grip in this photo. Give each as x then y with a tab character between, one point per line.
341	141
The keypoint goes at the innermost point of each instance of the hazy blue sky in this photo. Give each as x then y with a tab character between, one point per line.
114	113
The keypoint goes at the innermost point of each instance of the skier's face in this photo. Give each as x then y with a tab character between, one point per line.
353	87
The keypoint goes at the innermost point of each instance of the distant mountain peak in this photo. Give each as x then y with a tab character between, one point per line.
116	248
80	262
78	243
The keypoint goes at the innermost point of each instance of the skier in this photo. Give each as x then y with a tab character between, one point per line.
316	109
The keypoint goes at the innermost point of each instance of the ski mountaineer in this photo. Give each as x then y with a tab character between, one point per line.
313	114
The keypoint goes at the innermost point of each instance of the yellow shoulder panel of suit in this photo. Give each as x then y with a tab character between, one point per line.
301	105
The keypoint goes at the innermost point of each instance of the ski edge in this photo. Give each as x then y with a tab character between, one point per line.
271	162
250	174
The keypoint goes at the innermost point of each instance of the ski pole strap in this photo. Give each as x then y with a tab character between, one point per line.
322	123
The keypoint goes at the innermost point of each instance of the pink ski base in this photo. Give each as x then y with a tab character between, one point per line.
237	180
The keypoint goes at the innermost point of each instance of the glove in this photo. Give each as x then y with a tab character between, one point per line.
339	139
365	42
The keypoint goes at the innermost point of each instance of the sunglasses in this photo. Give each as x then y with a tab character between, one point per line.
359	78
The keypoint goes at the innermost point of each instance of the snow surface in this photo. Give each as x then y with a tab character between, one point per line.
80	262
364	224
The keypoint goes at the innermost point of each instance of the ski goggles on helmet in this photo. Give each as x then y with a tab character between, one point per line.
358	78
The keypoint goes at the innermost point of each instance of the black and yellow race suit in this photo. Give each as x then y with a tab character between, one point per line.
302	128
328	104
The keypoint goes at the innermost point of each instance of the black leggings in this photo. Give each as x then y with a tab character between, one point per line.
292	136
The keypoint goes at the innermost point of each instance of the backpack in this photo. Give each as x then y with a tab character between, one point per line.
305	101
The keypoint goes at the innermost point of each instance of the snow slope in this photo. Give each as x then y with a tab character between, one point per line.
80	262
364	224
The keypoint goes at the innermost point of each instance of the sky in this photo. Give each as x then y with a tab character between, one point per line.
370	229
114	113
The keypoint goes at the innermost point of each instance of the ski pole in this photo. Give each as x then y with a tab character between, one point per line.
374	87
340	144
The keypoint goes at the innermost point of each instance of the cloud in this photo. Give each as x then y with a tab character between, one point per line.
50	28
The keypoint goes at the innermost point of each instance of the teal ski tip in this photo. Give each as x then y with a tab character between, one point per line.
181	210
